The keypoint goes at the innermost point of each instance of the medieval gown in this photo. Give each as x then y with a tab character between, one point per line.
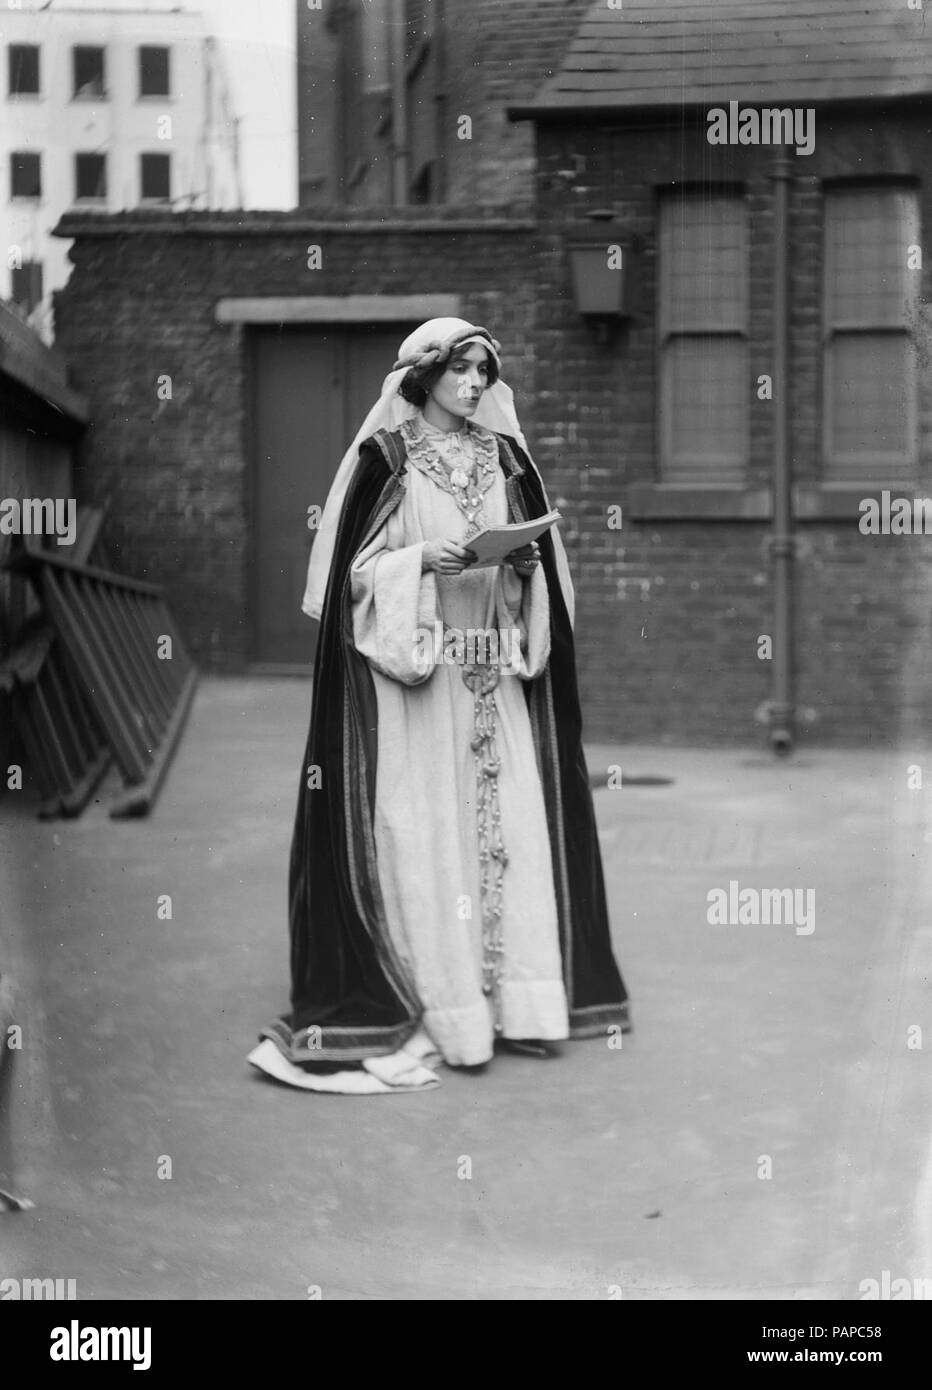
427	830
445	869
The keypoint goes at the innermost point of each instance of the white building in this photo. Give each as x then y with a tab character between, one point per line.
110	107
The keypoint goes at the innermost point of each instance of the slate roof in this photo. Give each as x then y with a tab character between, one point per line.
669	53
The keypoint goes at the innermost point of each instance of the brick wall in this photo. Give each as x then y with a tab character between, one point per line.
497	54
488	54
669	611
141	305
676	656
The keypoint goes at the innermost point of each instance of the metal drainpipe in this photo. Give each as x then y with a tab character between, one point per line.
438	42
399	105
783	543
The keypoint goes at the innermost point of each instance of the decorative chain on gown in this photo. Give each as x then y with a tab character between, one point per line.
446	459
493	856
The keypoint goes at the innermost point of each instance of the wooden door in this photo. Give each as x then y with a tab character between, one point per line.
312	388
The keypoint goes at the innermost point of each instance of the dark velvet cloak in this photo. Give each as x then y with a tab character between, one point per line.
350	997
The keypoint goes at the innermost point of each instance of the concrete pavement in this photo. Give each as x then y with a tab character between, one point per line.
763	1133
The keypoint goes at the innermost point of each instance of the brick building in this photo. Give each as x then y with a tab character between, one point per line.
231	376
106	106
671	421
236	362
404	101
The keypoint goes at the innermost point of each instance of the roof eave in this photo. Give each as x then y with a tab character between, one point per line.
39	370
549	112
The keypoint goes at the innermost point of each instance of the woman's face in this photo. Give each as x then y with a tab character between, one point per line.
460	388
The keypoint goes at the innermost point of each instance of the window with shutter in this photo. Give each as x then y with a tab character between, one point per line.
870	303
703	338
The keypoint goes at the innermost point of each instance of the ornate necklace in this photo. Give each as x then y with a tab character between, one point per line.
463	481
460	476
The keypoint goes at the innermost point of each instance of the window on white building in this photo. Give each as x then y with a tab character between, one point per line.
704	429
155	177
90	177
89	74
154	73
26	285
871	300
23	69
25	174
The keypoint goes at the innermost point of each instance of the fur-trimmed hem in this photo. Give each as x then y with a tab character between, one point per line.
595	1021
308	1045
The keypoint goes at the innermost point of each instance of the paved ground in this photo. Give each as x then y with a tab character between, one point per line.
639	1173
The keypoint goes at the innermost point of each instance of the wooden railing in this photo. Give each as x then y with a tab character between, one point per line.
60	735
125	655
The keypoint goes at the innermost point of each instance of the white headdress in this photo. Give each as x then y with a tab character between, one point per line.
432	342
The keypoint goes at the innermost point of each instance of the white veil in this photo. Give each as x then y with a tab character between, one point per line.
496	411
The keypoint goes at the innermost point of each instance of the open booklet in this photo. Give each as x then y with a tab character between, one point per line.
495	542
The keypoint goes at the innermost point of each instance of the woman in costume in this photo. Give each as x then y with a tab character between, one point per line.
446	885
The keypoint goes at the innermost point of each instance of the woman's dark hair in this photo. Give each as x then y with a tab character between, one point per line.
418	382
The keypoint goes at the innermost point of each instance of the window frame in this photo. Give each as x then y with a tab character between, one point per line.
103	94
154	200
18	96
81	198
25	197
156	48
670	478
25	269
841	468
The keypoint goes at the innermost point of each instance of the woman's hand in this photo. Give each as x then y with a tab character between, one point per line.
525	560
445	557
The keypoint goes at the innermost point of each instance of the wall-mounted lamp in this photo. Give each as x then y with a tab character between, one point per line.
603	268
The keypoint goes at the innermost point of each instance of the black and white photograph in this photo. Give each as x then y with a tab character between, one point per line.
466	664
